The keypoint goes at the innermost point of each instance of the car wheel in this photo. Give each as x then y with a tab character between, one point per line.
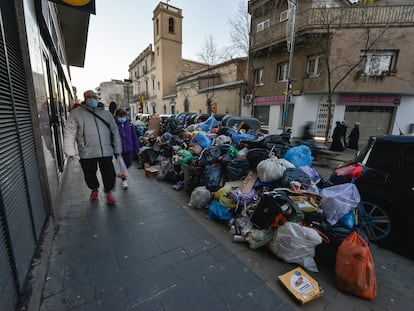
374	221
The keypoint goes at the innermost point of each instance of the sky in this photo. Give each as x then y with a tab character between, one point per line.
122	29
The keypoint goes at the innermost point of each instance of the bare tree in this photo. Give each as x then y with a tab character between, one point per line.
209	53
239	31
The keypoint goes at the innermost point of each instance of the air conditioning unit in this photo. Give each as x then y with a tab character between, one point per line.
248	99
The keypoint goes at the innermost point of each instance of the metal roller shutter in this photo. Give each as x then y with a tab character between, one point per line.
21	203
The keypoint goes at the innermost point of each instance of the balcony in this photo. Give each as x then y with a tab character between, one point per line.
317	21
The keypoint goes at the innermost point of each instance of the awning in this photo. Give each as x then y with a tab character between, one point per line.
270	100
369	100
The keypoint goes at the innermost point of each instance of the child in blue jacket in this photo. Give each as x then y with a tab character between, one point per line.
129	139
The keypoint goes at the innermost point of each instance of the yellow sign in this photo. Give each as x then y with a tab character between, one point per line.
77	2
81	5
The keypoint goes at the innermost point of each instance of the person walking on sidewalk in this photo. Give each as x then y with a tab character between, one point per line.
353	138
336	138
95	131
129	140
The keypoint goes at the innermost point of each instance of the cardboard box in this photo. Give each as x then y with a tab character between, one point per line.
151	171
302	287
154	126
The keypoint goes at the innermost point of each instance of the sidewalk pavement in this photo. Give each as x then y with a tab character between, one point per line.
152	252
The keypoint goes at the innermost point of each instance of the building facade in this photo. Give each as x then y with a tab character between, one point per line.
116	91
154	72
39	40
220	88
349	62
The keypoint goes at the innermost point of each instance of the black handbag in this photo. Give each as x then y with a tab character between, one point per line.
270	206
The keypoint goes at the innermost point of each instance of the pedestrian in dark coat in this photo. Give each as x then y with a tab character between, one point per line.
343	135
129	140
353	137
336	138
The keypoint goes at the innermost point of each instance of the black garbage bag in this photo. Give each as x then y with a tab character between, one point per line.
295	174
150	155
212	177
236	170
225	130
209	155
255	155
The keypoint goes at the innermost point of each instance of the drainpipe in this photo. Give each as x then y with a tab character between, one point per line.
291	49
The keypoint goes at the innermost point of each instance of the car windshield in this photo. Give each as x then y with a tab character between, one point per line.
363	154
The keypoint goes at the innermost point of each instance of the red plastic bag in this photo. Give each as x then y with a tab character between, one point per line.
354	269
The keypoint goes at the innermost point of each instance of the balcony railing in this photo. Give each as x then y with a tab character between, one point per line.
319	19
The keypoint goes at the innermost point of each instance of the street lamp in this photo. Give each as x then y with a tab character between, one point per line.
291	49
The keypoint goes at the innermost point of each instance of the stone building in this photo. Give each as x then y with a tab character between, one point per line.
154	72
165	83
116	91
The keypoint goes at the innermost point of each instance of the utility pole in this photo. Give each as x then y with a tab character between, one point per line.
291	49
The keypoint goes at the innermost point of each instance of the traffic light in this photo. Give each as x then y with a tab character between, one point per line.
214	107
141	104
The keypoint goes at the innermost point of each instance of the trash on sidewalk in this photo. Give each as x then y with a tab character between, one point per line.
301	286
151	170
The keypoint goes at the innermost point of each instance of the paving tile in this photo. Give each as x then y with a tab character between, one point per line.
150	286
201	245
192	294
69	298
132	250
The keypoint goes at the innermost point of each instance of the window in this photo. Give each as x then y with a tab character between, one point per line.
314	65
157	27
258	76
263	25
283	16
282	72
377	62
262	113
171	25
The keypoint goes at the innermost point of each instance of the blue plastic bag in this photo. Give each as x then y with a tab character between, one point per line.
217	211
202	139
236	138
209	124
299	156
348	220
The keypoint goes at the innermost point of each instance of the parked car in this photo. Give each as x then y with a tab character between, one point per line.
383	171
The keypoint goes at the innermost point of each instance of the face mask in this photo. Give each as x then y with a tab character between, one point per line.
121	120
92	102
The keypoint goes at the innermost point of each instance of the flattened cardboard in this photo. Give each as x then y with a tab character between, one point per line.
155	126
249	182
301	286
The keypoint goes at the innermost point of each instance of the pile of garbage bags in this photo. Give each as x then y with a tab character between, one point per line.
261	187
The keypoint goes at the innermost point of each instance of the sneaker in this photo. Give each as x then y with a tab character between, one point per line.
124	184
94	194
110	198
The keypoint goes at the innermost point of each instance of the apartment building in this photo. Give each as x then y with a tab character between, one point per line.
346	62
117	91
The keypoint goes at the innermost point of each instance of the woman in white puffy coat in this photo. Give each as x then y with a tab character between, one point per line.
95	132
